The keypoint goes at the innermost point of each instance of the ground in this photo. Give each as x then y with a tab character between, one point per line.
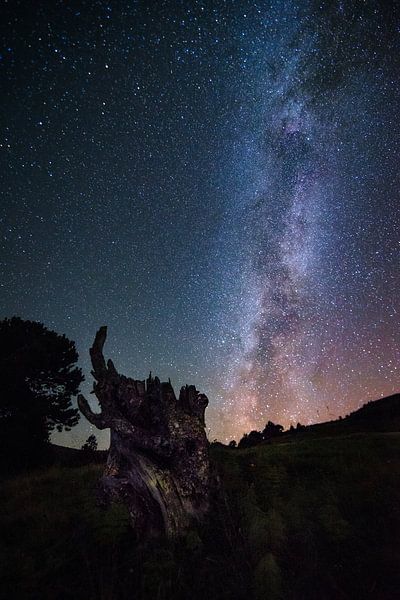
305	518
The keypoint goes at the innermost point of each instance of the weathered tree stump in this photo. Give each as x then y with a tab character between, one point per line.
158	463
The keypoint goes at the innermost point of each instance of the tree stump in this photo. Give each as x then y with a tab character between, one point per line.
158	462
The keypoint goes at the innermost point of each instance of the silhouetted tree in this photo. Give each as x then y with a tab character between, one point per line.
251	439
217	444
232	444
91	444
271	430
256	437
38	378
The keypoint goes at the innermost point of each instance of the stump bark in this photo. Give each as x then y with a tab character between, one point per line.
158	462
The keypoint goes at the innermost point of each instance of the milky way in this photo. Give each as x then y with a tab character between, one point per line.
291	321
218	183
272	371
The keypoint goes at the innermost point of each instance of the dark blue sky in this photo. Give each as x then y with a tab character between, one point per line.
218	183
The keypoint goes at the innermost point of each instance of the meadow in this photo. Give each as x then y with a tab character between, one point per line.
301	518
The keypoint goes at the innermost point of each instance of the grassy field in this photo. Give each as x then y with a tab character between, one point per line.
303	519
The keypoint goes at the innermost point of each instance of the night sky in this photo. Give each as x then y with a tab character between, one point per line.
218	182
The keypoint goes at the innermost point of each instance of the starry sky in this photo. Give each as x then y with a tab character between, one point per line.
218	182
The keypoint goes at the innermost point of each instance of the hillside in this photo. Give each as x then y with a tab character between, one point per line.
316	518
377	415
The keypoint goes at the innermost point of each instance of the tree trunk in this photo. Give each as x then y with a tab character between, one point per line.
158	462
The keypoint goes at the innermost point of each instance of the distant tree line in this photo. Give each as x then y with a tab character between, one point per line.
270	431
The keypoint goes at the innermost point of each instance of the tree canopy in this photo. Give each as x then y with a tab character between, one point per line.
39	377
91	444
256	437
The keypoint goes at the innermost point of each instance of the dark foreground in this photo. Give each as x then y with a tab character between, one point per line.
303	519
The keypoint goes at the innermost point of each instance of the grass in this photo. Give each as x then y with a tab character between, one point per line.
321	517
310	518
55	541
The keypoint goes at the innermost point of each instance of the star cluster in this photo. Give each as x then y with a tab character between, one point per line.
218	183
